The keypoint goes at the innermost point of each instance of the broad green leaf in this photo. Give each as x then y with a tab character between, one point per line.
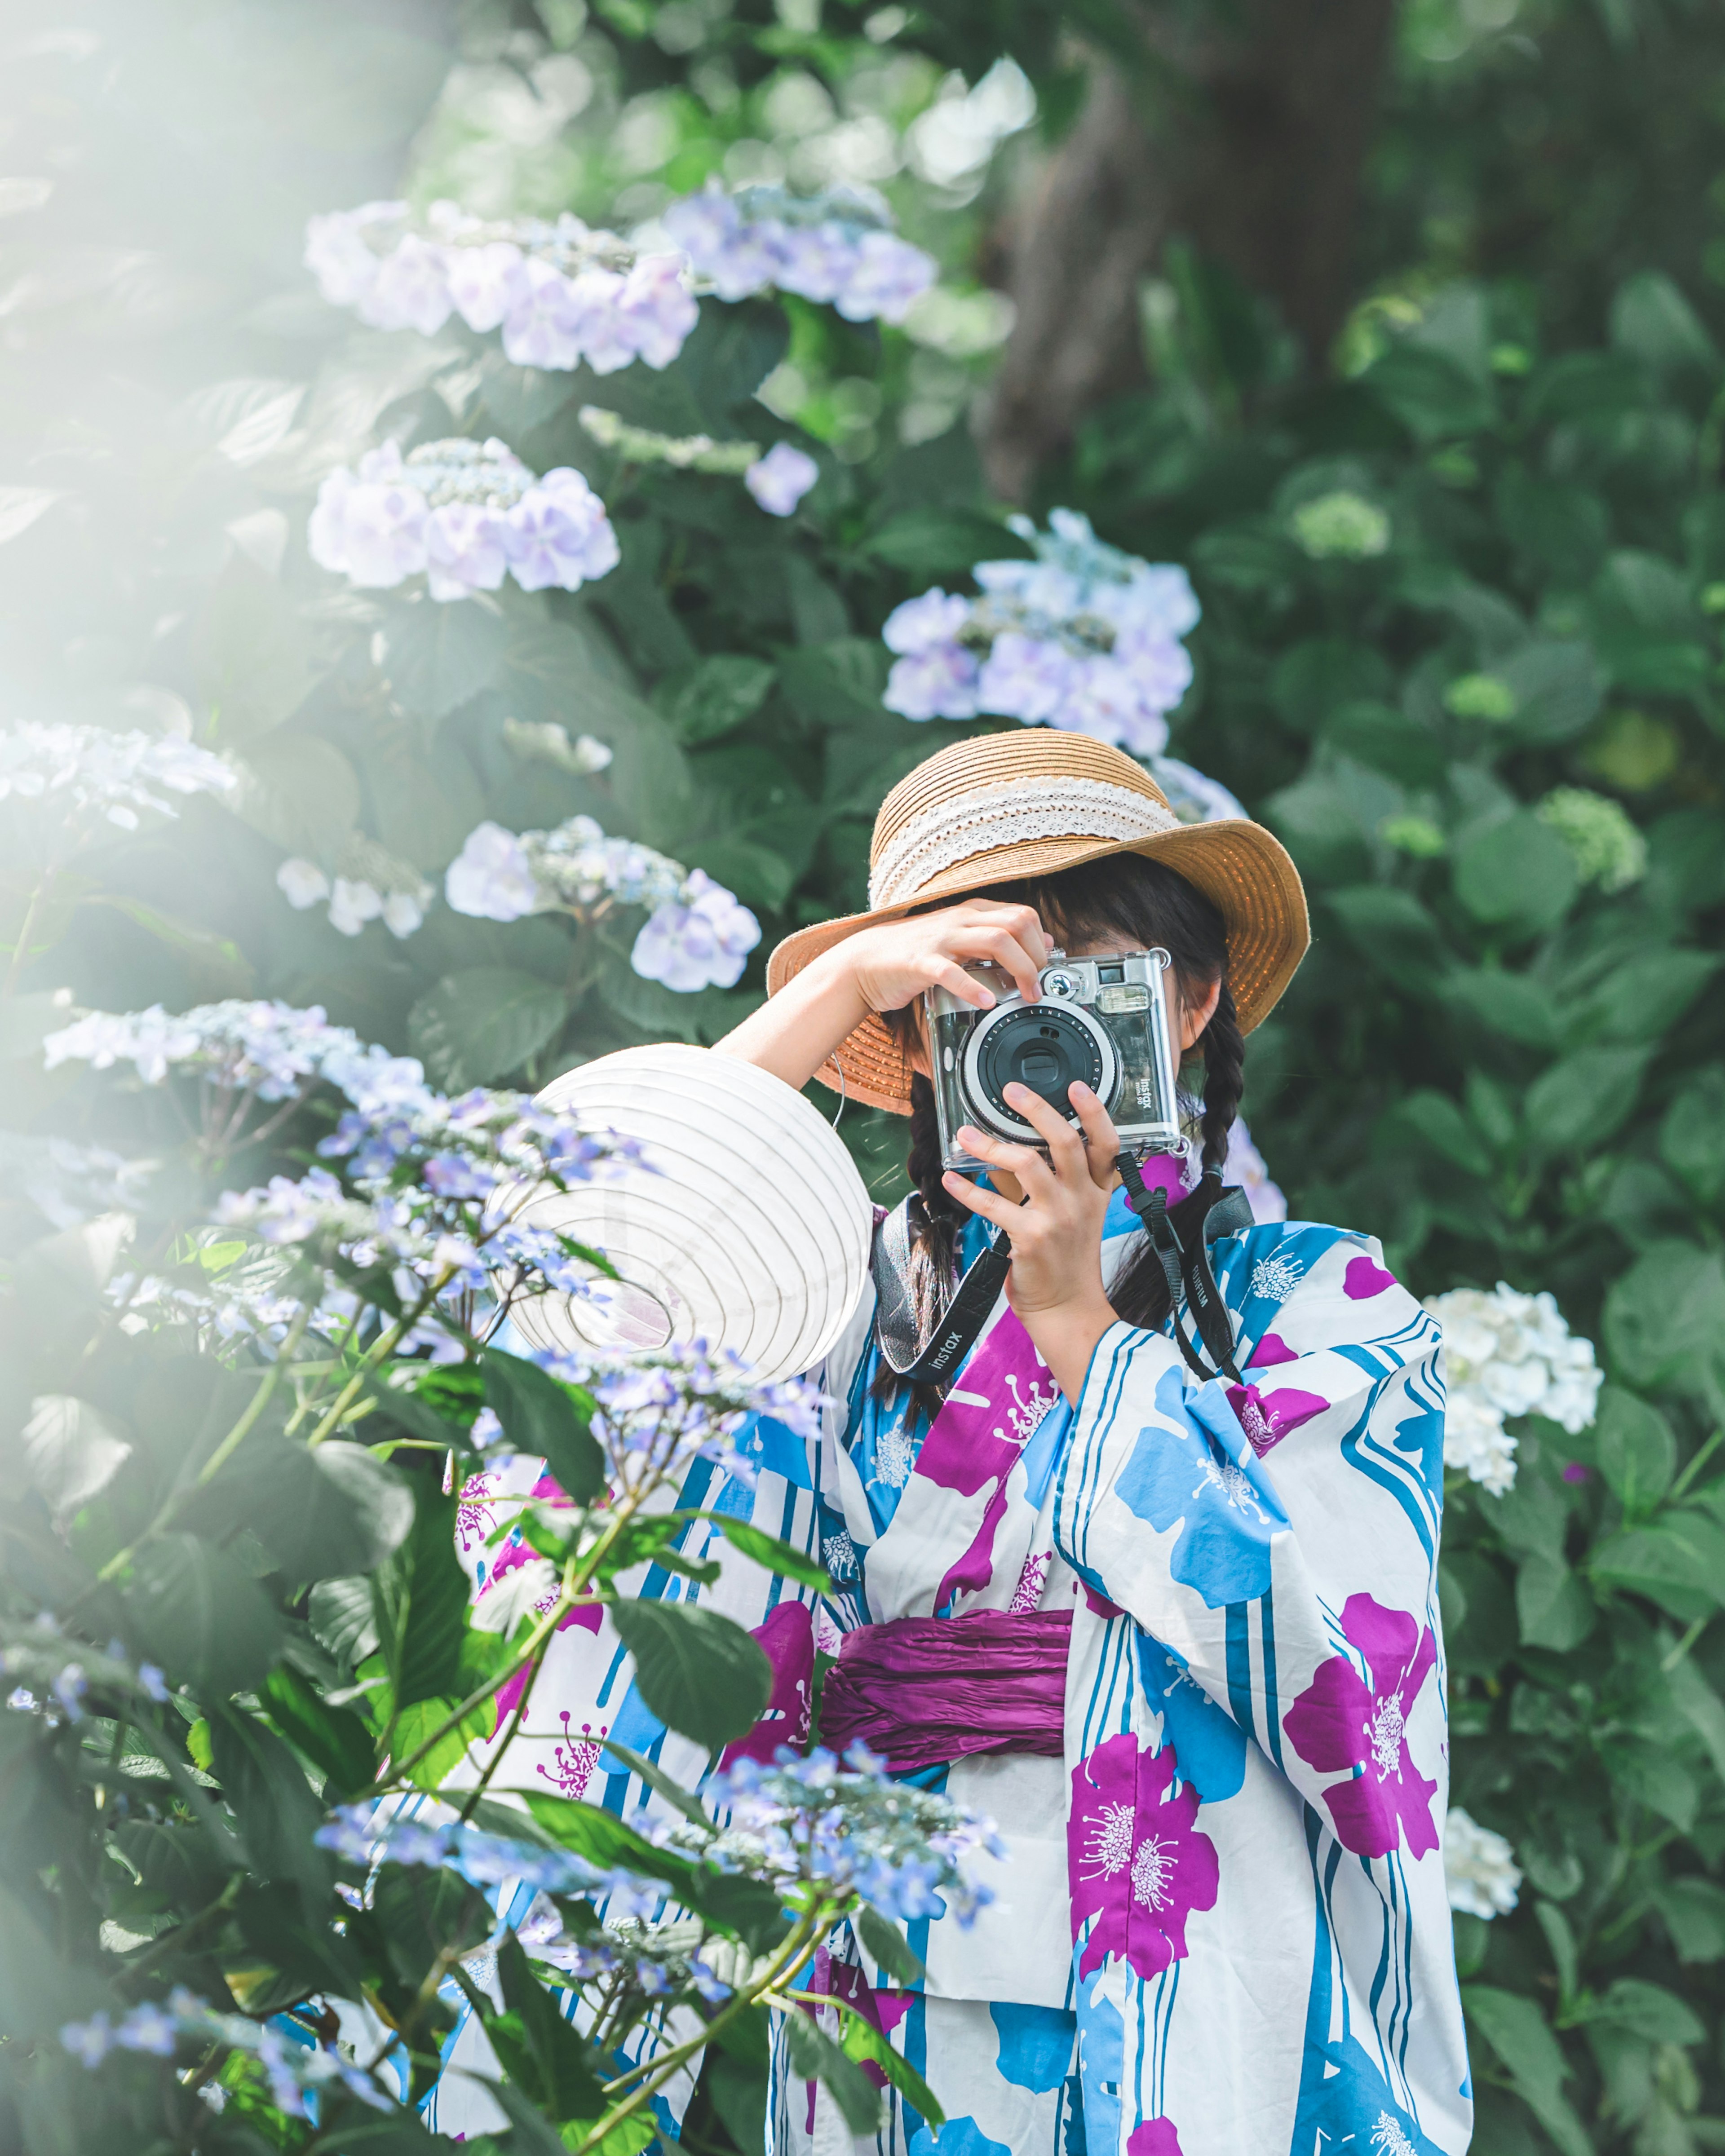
1650	2010
278	1815
1584	1099
1694	1913
1667	1314
1644	997
1652	319
861	2041
932	543
541	1417
72	1450
1555	1608
1509	1003
699	1672
1558	690
1514	2027
482	1024
1691	1137
343	1618
1392	927
1636	1450
1648	1774
1679	1562
769	1550
200	1617
538	2047
600	1837
1515	874
418	1721
320	1514
738	2092
887	1944
333	1738
421	1602
1430	394
1702	1707
748	1909
1313	679
436	655
714	697
1436	1118
815	2056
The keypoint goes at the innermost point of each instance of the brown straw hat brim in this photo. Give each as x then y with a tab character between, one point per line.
1243	869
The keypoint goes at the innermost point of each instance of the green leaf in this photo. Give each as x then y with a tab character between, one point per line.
1584	1099
600	1837
769	1550
931	543
1666	1316
1318	676
542	1418
1392	927
1694	1913
861	2040
1515	874
1650	2010
655	1776
889	1946
200	1616
709	699
1636	1450
538	2047
417	1722
73	1451
216	963
483	1024
1645	996
748	1909
1436	1118
1558	690
333	1737
436	655
320	1514
1691	1137
699	1672
1677	1562
1702	1707
1553	1608
1513	2027
1430	394
1508	1003
266	1786
1652	319
738	2089
344	1620
815	2056
421	1603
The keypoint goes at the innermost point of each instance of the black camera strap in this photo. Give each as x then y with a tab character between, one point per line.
1180	1238
963	1317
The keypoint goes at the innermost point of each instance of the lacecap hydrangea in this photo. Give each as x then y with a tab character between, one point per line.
1082	636
463	514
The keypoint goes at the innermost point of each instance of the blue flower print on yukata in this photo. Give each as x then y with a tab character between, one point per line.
1181	1474
1036	2044
1210	1744
958	2137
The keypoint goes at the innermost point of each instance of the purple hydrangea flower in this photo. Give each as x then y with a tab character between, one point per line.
464	549
940	683
491	878
541	326
919	625
815	261
1344	1722
1026	677
657	309
1138	1865
890	276
779	480
486	281
702	941
559	534
411	291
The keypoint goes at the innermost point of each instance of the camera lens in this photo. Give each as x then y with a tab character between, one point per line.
1045	1047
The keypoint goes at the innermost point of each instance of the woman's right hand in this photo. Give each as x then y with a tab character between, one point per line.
896	961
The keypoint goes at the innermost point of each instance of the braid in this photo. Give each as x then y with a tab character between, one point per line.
1224	1077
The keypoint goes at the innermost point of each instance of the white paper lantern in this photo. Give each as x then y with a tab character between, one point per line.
745	1224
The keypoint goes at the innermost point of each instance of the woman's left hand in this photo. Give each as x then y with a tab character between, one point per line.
1055	1283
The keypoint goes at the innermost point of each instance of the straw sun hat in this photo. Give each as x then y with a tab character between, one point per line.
1008	806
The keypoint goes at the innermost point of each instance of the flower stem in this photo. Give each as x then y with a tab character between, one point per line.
384	1345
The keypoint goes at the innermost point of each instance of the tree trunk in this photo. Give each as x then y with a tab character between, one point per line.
1247	138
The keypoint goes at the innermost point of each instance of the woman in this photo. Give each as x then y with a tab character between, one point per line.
1178	1637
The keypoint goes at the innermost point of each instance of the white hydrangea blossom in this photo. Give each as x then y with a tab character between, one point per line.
697	934
463	514
1506	1354
118	778
1479	1867
779	480
369	884
1082	637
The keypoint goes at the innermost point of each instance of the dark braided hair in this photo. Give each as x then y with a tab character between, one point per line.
1124	894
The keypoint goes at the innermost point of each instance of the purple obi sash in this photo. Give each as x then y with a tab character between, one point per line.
922	1690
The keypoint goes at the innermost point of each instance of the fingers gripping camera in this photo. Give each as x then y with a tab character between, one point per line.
1102	1021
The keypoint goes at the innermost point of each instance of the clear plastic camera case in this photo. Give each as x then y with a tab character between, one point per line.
1102	1020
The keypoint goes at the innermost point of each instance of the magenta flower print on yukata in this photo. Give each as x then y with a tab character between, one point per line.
1341	1721
1135	1860
1154	2137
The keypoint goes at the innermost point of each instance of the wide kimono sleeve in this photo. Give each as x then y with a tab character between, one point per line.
1279	1537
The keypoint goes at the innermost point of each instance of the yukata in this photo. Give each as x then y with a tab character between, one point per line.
1220	1925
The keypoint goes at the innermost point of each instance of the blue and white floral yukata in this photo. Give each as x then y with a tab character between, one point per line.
1220	1927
